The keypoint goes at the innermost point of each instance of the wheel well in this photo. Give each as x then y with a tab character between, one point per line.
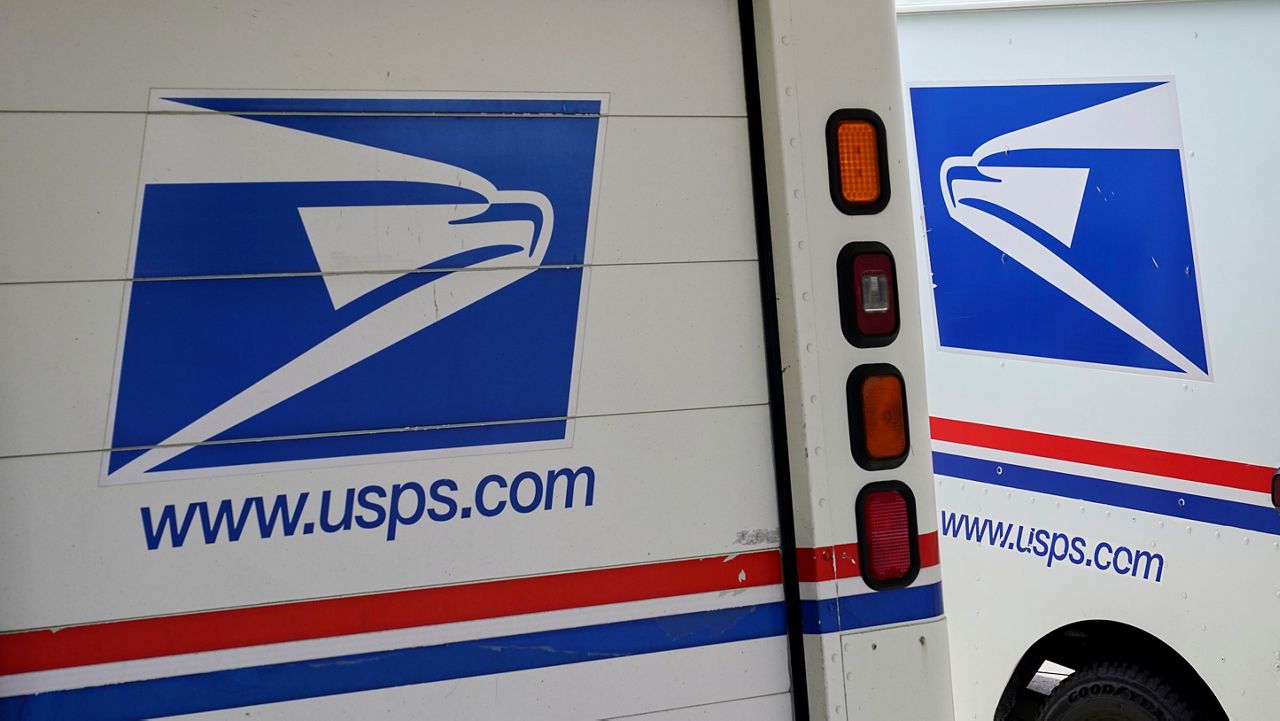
1086	642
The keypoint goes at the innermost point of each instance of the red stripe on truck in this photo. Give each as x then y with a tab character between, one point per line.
828	563
1198	469
236	628
928	549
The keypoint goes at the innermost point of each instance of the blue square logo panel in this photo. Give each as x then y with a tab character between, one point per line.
1057	223
352	277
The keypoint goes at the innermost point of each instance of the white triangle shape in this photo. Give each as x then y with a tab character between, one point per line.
399	239
1048	197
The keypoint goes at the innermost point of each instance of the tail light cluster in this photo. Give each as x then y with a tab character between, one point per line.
876	394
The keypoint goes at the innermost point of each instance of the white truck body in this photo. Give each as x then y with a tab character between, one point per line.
409	359
1093	189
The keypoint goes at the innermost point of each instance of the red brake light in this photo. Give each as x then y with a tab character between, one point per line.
889	555
887	535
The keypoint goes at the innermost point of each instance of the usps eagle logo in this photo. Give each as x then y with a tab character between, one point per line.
318	279
1057	223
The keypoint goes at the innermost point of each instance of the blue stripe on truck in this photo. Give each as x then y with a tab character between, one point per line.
865	610
1186	506
400	667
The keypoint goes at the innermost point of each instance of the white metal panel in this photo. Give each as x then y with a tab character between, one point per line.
58	360
1214	604
938	6
672	336
66	195
919	658
668	192
657	474
691	679
657	337
108	58
1211	51
761	708
1229	154
1204	46
670	346
672	189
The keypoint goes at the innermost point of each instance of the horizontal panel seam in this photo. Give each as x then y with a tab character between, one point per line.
531	116
409	271
380	431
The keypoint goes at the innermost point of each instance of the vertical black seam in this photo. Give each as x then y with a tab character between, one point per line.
773	361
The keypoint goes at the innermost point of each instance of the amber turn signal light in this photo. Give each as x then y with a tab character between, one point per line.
857	153
877	399
857	161
883	416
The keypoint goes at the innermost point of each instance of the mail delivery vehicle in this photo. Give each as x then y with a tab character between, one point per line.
1095	188
461	360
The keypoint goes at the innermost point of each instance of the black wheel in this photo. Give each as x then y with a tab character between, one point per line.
1112	691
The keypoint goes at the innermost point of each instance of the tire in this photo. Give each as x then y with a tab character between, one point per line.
1112	691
